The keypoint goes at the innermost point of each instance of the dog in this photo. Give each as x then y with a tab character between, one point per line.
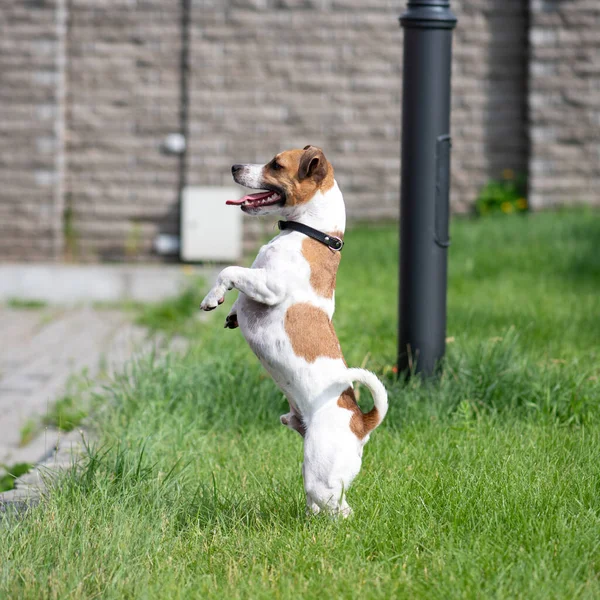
284	312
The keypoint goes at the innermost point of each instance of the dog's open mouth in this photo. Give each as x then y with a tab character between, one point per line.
258	200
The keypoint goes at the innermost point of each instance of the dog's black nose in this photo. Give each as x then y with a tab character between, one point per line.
236	168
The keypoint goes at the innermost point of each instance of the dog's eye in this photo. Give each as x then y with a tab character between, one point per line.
276	166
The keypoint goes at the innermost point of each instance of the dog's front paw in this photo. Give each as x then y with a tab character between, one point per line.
231	321
214	298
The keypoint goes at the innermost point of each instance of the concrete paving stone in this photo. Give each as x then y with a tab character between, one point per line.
41	446
65	347
40	351
72	284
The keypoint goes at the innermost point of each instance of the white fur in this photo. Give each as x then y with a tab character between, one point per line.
279	278
251	176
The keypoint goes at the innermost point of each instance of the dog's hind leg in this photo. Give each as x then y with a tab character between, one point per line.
231	320
293	421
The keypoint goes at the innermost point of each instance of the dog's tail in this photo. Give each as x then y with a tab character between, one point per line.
380	398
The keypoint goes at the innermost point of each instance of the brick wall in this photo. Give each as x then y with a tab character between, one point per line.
270	75
124	70
564	102
32	36
83	172
489	87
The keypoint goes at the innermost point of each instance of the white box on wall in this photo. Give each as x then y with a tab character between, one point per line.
210	230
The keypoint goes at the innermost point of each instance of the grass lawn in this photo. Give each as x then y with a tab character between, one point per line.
483	484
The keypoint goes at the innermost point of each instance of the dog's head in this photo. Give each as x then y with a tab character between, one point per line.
290	180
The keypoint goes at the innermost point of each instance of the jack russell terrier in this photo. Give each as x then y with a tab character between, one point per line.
284	311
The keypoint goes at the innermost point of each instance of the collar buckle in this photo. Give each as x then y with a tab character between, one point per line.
334	242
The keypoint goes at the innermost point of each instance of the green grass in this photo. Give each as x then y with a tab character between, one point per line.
66	413
485	483
26	304
28	431
7	480
173	314
72	408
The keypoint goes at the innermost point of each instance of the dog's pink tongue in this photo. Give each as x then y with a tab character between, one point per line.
237	202
249	198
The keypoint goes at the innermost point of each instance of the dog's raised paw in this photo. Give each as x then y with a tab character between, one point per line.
213	299
206	306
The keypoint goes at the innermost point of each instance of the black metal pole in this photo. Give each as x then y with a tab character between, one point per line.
424	199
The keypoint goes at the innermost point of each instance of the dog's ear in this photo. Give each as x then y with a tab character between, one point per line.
313	164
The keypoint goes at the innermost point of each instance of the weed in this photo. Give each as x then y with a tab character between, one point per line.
13	472
507	195
28	431
173	314
26	304
65	414
68	411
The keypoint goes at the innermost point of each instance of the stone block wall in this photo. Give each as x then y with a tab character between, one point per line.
489	95
32	61
564	102
270	75
124	73
90	89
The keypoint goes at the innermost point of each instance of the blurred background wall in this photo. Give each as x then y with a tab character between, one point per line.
90	88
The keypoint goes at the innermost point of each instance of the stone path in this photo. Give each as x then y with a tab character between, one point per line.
40	350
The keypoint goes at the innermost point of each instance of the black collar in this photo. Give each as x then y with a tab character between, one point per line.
330	241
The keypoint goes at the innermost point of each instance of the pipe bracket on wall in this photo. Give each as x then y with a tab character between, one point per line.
442	188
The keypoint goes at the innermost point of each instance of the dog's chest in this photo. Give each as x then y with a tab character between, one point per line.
306	269
294	339
282	259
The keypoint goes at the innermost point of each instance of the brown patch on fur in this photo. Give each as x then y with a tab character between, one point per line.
361	424
311	332
300	174
324	263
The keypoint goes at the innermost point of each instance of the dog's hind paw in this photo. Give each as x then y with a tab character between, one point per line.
231	321
312	508
293	422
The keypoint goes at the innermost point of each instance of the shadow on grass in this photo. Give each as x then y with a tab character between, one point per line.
560	246
209	508
584	264
127	475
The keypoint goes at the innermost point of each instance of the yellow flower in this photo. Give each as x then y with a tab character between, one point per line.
508	174
506	207
522	203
